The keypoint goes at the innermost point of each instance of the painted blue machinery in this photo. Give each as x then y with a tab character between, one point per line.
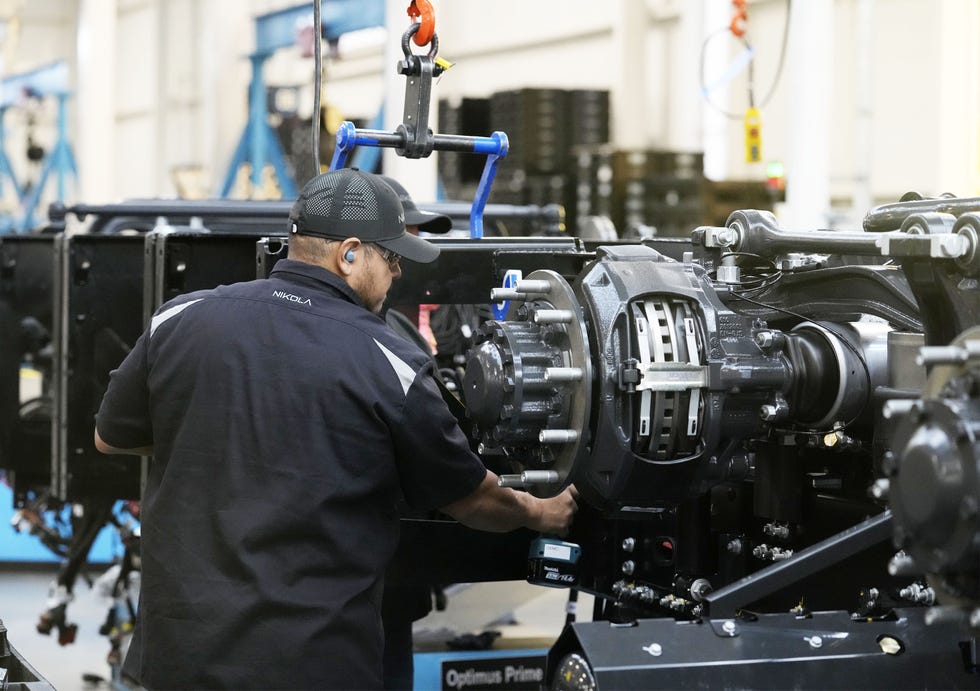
50	80
258	144
414	139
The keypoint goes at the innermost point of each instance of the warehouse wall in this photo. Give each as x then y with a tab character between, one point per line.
179	81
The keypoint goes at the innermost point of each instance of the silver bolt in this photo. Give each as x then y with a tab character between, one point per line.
726	236
510	481
734	546
557	436
553	317
729	627
539	477
764	339
502	294
880	488
903	565
768	412
629	544
629	567
896	406
533	286
815	641
942	355
700	588
563	374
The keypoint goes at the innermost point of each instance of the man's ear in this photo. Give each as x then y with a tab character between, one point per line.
347	254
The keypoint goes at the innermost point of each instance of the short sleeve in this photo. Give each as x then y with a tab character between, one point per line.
123	419
435	463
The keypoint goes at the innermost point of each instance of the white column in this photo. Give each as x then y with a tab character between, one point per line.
957	90
628	73
863	111
95	100
810	63
714	123
687	130
227	37
418	175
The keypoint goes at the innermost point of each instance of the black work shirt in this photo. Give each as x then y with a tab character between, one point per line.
285	420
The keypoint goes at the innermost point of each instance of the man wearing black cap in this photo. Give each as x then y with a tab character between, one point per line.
415	218
285	420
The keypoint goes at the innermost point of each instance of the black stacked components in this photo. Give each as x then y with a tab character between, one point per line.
543	126
722	197
661	190
460	173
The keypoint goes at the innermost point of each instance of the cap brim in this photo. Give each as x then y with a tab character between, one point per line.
428	221
412	247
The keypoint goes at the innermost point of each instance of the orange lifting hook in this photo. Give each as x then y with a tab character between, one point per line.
427	23
737	27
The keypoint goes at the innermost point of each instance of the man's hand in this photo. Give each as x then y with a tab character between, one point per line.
556	513
500	509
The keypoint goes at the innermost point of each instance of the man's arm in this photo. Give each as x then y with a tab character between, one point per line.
501	509
103	447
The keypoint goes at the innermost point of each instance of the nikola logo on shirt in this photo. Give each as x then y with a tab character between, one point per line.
292	298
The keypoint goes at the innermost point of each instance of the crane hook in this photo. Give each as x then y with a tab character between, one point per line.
427	22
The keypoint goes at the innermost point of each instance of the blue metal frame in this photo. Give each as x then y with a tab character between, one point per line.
7	171
259	144
61	160
49	80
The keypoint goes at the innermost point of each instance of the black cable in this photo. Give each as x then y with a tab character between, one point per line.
317	61
782	56
750	73
756	282
704	89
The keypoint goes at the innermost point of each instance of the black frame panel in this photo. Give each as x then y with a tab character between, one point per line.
98	299
26	291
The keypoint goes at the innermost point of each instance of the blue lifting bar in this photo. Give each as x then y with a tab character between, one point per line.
493	147
414	139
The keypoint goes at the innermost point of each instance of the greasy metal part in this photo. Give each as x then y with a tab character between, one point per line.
728	600
903	348
832	650
921	235
968	227
934	487
839	293
891	216
758	233
941	374
528	381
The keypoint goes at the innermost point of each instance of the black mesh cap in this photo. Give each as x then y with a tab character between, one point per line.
426	221
350	203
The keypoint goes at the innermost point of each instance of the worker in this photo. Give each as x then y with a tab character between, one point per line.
402	604
285	420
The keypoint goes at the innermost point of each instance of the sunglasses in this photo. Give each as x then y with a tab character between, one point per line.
391	258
